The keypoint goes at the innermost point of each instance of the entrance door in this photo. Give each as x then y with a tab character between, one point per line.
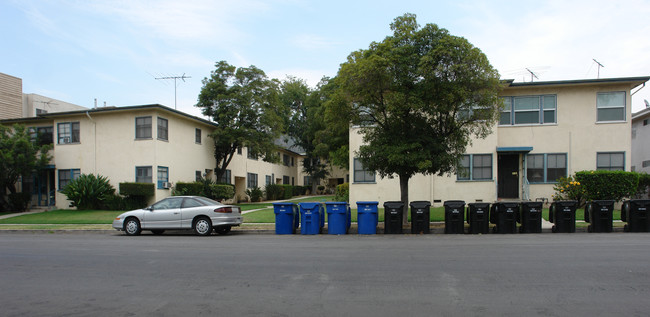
508	176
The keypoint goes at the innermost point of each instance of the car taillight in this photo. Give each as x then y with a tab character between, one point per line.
224	210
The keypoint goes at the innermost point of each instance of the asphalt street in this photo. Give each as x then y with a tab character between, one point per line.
267	275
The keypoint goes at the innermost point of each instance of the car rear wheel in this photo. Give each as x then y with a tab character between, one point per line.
222	230
132	227
203	226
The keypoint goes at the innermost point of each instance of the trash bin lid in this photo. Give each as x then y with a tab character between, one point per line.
367	203
420	204
454	203
393	204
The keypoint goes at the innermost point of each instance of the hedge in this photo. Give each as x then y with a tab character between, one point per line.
188	189
274	191
137	189
222	191
343	192
288	191
614	185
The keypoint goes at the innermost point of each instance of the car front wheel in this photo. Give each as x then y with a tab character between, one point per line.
132	227
203	226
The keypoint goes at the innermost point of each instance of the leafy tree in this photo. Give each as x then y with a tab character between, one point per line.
244	104
89	191
305	123
419	96
334	141
19	156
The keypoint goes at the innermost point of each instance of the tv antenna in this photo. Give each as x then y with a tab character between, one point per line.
599	66
532	74
174	78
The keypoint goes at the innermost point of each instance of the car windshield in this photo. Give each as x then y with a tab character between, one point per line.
208	201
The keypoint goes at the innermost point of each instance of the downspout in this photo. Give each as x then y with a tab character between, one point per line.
632	94
94	143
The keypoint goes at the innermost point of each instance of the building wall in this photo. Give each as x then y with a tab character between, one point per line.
11	92
34	102
575	133
641	141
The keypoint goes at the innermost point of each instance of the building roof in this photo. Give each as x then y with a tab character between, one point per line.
46	116
634	81
641	114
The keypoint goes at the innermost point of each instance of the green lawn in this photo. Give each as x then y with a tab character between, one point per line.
65	217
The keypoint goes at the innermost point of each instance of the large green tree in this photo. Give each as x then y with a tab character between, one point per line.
19	156
419	97
305	124
245	106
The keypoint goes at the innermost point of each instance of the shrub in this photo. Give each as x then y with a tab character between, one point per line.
614	185
255	194
221	191
137	189
19	201
188	189
567	188
274	191
343	192
288	191
89	191
644	185
114	202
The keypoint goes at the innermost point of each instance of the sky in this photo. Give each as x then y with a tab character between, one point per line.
113	50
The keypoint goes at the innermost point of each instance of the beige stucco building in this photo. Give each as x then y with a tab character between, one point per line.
547	130
641	141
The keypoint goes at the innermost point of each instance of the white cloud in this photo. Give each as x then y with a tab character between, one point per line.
312	42
311	76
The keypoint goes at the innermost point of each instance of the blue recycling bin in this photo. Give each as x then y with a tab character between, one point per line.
338	217
286	218
312	218
367	217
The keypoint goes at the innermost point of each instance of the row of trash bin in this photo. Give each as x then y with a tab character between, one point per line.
310	217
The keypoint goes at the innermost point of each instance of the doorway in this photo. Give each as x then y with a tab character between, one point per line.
508	176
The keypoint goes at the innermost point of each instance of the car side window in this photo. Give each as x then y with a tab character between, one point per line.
191	203
169	203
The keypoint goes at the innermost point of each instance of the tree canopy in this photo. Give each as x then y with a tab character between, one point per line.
19	156
245	106
419	96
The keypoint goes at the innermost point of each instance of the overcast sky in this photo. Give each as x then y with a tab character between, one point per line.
113	50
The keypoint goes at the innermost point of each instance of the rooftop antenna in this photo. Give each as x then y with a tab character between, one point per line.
599	66
174	78
532	74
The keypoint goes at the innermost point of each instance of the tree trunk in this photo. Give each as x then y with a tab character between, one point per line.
404	190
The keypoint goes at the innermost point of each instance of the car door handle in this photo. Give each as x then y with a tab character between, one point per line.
176	213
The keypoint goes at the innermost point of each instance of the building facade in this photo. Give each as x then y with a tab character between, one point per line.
546	130
641	141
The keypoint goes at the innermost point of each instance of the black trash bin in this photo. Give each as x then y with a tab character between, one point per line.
635	213
530	217
454	216
563	215
599	214
420	211
504	216
393	211
478	218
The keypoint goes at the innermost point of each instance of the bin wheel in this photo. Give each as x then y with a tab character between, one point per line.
626	229
589	229
553	229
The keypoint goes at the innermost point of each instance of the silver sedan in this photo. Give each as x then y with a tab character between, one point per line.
181	212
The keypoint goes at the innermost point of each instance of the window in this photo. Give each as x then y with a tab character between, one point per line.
197	136
611	106
143	128
645	122
143	174
307	181
239	150
269	180
252	180
162	129
361	175
286	160
610	161
645	163
475	167
545	168
225	178
67	175
292	161
42	135
285	180
198	176
529	110
251	154
68	132
163	176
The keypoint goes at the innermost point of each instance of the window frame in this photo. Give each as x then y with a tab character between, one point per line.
139	179
471	168
162	132
197	136
624	106
511	111
143	127
226	178
74	132
74	173
609	168
362	171
545	167
251	180
162	176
